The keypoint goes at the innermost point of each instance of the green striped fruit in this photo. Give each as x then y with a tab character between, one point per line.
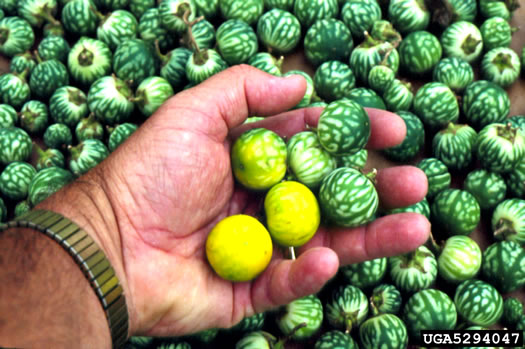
46	182
47	77
119	134
414	139
204	336
89	128
460	259
344	127
151	94
58	136
366	97
109	98
512	311
454	72
419	52
398	96
359	16
173	345
436	105
308	162
478	302
49	158
21	208
462	40
236	41
3	210
202	36
68	105
258	340
14	89
33	117
500	147
327	40
139	7
508	221
15	145
54	29
89	60
379	77
15	180
204	64
8	116
504	266
306	312
347	308
37	12
348	198
267	63
172	14
279	31
22	62
372	52
258	159
54	47
413	271
383	331
318	104
455	211
16	36
310	11
429	309
335	339
517	121
501	65
86	155
9	6
484	103
366	274
249	324
385	299
133	61
421	207
454	146
286	5
207	8
117	27
408	16
333	80
515	180
173	67
451	11
498	8
150	29
357	160
309	94
488	188
496	32
437	175
79	17
248	11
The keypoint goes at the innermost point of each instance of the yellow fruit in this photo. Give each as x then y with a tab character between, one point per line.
259	159
292	213
239	248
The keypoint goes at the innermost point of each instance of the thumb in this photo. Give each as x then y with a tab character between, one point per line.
234	94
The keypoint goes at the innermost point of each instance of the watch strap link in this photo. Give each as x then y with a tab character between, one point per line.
91	260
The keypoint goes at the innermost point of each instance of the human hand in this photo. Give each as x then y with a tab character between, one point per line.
161	192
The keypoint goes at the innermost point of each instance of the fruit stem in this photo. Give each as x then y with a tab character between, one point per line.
295	329
433	245
292	252
191	39
504	228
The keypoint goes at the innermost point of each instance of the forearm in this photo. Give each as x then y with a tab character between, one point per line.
45	298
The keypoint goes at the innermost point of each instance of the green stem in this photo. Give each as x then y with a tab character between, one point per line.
47	15
372	175
37	57
470	44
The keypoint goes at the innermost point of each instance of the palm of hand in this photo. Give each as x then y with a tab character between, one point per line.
181	185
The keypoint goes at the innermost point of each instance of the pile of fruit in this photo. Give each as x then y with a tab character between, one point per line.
84	74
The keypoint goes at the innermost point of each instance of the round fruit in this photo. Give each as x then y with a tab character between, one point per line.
258	159
292	213
239	248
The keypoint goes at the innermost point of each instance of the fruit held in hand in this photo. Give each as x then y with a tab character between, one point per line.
239	248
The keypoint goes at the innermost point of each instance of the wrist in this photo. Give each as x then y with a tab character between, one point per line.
86	203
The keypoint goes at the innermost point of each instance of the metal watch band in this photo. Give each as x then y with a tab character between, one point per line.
91	260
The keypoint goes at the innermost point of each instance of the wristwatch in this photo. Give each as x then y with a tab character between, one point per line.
91	260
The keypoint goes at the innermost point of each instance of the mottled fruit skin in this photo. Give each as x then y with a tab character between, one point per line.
456	212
